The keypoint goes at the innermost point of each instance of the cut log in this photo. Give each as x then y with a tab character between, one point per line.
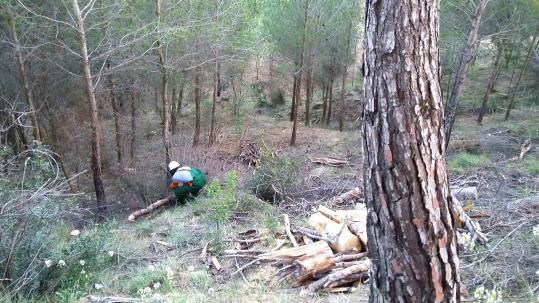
150	208
361	277
337	276
310	266
336	234
329	161
354	257
357	221
319	248
330	213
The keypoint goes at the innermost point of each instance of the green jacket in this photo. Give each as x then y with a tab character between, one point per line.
199	180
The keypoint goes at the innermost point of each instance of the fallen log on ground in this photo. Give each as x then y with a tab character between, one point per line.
150	208
97	299
329	161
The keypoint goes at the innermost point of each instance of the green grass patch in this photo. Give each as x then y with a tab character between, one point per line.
463	162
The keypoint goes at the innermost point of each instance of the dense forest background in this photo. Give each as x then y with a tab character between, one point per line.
96	97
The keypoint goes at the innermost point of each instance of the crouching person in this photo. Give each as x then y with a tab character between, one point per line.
186	181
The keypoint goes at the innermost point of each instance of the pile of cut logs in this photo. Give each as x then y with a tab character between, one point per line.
332	256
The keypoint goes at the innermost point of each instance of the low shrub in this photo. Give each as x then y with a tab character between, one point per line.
274	177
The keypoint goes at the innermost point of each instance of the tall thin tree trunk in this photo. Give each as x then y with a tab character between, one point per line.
299	74
514	90
341	112
292	107
309	96
235	101
24	76
343	87
94	120
164	91
325	92
134	97
448	89
412	241
173	107
196	137
467	55
116	114
330	102
491	80
216	95
271	72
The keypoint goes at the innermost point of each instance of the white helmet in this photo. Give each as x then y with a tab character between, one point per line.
173	166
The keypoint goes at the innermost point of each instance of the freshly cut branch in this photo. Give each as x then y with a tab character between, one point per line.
150	208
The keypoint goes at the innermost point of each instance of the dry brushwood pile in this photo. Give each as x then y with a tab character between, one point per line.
329	255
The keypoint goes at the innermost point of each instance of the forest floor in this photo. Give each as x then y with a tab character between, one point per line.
163	249
480	156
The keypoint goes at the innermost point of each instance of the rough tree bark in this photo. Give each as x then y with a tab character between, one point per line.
490	85
117	124
94	120
164	89
467	55
24	76
514	90
412	241
196	136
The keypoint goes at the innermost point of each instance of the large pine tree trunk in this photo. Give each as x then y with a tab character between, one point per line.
196	136
24	76
490	85
164	89
94	120
467	55
412	241
514	90
117	124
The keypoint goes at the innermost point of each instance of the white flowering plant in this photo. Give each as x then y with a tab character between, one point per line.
75	266
485	295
